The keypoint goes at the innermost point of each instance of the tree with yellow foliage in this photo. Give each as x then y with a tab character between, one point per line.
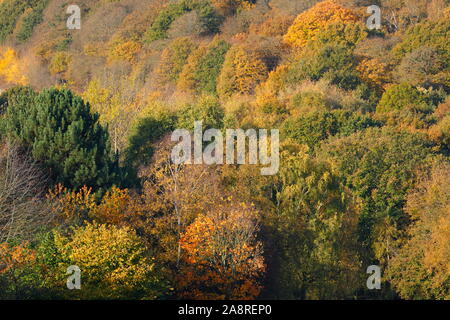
309	23
113	262
59	63
117	207
11	68
115	103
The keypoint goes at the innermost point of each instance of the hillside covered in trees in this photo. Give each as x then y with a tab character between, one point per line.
87	180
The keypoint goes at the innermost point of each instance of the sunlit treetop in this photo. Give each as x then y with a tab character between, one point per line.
308	24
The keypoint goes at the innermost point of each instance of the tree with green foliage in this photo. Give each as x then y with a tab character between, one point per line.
398	97
434	34
331	62
31	19
12	10
380	165
64	136
209	18
312	129
203	67
11	97
311	232
206	109
344	34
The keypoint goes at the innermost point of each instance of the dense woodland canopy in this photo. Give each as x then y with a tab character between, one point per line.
86	177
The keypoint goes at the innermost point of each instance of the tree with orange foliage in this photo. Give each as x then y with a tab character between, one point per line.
173	58
172	197
222	258
228	7
242	70
309	23
114	207
16	269
420	269
375	73
71	207
123	50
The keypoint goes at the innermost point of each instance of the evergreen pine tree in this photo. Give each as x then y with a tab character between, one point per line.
64	136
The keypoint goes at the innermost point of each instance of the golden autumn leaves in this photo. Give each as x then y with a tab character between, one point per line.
309	23
11	68
112	259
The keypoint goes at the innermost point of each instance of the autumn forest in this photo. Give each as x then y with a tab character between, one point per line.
91	92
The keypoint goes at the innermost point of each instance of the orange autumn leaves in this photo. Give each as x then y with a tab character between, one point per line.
223	259
242	71
375	73
422	264
15	257
220	255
